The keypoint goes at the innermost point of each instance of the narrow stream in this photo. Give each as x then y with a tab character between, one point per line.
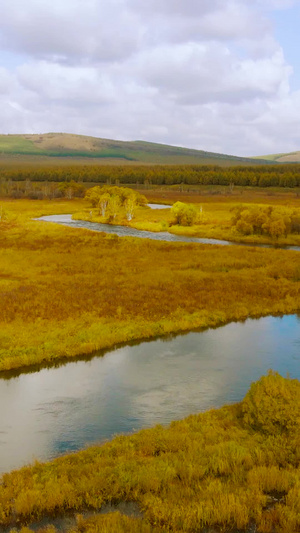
125	231
53	411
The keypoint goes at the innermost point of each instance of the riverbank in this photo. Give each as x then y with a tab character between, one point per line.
68	292
135	386
214	220
235	468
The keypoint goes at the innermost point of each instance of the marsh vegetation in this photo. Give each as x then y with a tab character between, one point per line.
66	292
223	470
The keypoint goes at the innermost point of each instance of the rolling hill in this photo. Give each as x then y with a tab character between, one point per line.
66	145
291	157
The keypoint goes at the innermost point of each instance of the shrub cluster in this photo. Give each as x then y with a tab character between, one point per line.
271	221
184	214
272	405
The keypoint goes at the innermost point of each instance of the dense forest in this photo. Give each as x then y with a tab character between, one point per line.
255	176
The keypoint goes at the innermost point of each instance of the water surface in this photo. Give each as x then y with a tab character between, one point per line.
125	231
46	413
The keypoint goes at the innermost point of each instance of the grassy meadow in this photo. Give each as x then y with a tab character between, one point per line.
232	469
71	146
68	292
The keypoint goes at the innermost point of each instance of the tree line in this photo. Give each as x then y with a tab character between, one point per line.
278	175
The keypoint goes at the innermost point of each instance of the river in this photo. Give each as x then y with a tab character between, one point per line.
126	231
56	410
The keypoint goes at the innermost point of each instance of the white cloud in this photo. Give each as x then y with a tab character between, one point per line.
6	81
66	84
207	74
196	74
69	31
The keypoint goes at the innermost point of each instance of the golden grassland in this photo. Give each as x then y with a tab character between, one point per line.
221	194
232	469
66	292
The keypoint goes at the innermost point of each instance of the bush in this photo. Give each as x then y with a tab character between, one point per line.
272	405
272	221
184	214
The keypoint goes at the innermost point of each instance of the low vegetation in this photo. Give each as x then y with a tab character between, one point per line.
272	221
67	292
66	145
231	469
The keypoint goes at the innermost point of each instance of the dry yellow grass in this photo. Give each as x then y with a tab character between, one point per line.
66	292
228	470
289	158
69	141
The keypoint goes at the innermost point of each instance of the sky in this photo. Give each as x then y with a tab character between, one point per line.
215	75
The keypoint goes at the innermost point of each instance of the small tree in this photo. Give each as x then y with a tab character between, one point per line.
93	195
103	203
244	227
276	228
184	214
130	205
114	205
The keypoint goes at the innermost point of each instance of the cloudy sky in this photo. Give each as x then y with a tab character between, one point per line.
217	75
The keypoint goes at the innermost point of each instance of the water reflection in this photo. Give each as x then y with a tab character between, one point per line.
56	410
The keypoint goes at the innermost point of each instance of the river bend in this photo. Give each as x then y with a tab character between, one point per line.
53	411
126	231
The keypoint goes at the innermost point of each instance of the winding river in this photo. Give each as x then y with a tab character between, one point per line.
125	231
56	410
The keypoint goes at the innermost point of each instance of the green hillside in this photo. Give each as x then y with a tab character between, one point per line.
65	145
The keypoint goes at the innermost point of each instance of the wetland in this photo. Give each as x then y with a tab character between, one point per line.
66	294
59	410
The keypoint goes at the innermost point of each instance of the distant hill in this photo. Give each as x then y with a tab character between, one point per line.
291	157
67	145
